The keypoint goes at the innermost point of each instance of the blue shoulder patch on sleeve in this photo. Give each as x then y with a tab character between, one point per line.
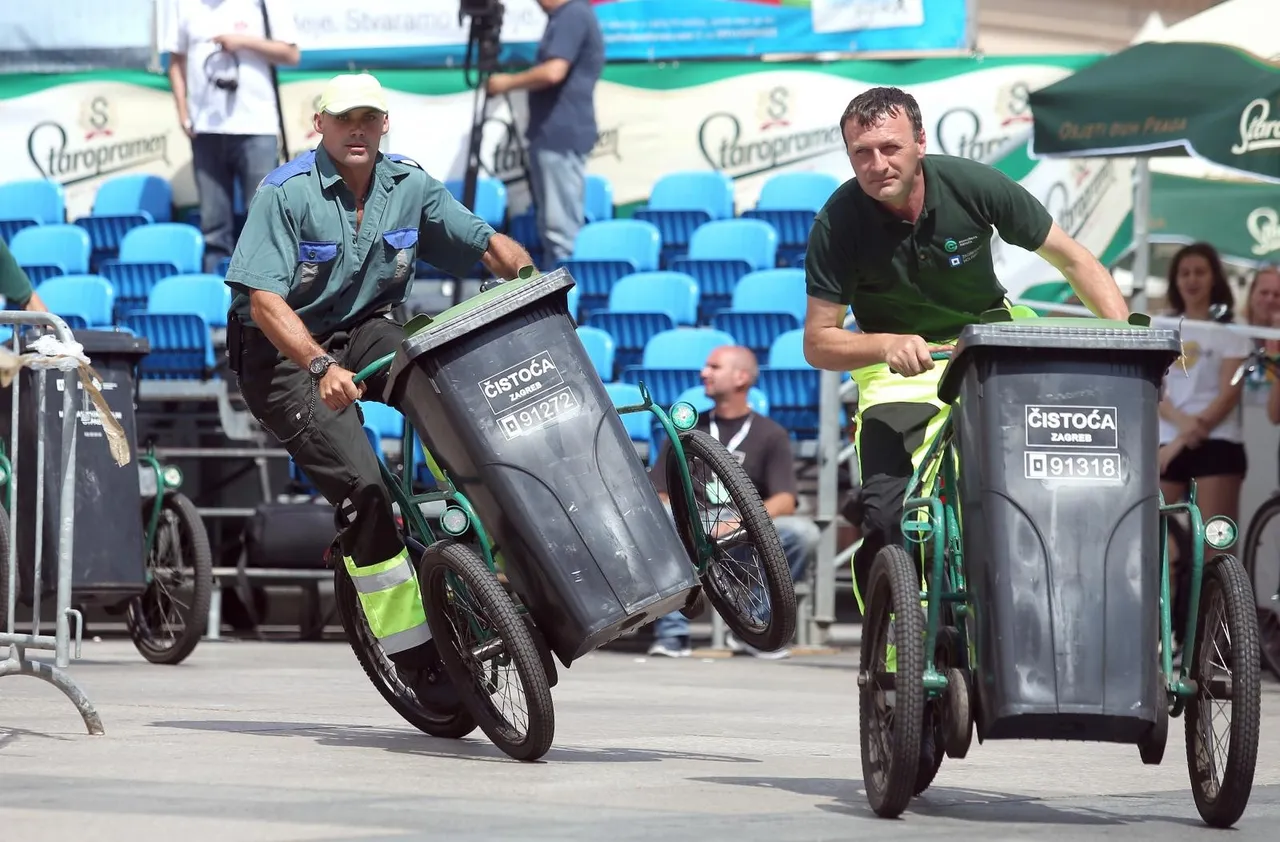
403	159
298	166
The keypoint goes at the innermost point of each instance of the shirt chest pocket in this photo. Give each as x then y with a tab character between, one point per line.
401	247
316	263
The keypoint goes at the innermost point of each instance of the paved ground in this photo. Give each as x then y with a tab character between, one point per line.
257	742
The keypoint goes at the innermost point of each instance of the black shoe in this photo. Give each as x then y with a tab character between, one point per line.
423	672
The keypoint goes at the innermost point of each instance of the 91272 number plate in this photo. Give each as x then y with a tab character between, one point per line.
550	409
1092	468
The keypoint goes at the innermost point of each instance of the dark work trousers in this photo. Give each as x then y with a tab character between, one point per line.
330	447
890	433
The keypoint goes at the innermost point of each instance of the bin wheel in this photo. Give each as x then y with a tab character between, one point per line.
1151	745
443	721
891	702
938	721
734	586
487	649
167	620
1224	667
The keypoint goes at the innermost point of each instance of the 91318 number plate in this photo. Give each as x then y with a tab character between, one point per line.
1092	468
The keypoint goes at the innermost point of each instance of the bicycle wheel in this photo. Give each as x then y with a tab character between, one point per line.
167	620
1261	559
891	683
756	598
1225	668
446	721
487	649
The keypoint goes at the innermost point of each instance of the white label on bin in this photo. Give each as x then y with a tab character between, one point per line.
521	383
551	408
1072	426
1093	468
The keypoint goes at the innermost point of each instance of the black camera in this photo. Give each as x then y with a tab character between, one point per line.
478	8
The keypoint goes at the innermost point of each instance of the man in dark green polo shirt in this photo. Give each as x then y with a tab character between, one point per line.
327	252
907	245
15	286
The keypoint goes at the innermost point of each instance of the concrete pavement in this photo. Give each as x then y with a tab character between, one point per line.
268	742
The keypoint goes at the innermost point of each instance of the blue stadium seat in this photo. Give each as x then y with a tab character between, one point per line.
206	295
681	202
600	348
722	252
605	251
51	249
792	385
176	325
30	202
573	300
673	361
789	202
644	304
384	421
599	205
524	230
149	254
88	298
123	203
765	304
636	423
491	199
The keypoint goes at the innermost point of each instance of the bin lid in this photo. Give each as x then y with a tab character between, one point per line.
1058	334
479	310
108	343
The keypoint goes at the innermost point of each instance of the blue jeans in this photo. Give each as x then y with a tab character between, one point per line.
799	537
219	161
558	185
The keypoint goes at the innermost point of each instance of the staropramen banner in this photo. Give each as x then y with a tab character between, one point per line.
749	120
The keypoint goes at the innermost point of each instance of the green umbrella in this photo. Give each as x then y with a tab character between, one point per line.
1241	220
1211	101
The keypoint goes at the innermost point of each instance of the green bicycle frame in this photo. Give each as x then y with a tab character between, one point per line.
168	478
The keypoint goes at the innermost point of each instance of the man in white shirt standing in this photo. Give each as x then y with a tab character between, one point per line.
220	70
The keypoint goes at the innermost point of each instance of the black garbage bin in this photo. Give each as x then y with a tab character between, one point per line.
1059	496
508	401
107	562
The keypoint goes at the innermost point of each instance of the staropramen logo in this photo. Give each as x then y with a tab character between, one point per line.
1257	129
1264	227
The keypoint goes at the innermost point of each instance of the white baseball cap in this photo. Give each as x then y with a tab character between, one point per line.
352	90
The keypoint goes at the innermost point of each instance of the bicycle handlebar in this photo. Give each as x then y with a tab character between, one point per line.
373	368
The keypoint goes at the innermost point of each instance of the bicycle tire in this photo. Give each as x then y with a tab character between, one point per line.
1268	620
1222	795
193	547
444	724
893	588
780	628
483	587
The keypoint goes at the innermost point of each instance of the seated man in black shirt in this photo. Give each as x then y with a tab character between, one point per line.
764	449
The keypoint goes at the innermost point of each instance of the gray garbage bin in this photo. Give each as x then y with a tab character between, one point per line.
508	401
1059	492
107	545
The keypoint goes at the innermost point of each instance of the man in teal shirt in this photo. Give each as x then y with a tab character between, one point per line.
327	252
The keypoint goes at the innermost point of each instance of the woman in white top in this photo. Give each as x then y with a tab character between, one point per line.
1201	434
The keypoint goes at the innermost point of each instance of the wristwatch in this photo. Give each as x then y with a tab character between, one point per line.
320	365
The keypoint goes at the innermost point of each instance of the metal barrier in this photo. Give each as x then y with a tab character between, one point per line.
18	663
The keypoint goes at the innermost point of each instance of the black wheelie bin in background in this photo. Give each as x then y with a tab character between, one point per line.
107	562
1059	497
507	400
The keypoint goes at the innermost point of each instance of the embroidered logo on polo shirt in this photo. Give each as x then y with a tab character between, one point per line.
956	260
950	245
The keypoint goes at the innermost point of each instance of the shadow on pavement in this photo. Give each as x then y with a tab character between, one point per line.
951	803
407	741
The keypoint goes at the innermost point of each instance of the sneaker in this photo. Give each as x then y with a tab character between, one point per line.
736	645
671	647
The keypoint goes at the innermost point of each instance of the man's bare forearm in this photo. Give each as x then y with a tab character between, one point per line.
1096	288
282	326
838	349
505	257
178	84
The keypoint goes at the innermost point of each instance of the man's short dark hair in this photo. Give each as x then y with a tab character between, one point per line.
870	107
